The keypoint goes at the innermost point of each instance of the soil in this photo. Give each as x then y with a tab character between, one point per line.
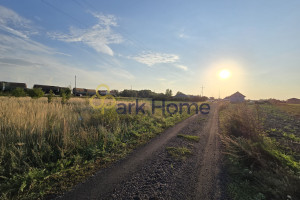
151	173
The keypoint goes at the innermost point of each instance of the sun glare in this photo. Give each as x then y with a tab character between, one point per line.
224	74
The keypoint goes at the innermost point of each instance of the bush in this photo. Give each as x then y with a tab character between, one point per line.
18	92
67	92
50	96
35	93
65	95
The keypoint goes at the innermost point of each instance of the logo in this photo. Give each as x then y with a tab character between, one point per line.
103	105
122	108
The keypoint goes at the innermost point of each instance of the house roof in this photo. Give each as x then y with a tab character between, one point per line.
237	94
293	99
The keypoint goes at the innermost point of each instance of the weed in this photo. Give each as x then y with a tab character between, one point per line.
178	153
189	137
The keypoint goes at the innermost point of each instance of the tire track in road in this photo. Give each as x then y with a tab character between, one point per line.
150	173
208	183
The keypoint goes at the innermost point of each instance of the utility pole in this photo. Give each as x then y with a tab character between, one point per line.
202	91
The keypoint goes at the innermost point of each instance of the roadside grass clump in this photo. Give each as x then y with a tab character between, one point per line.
178	153
258	166
189	137
46	148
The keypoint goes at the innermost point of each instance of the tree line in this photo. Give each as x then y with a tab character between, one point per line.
168	95
66	94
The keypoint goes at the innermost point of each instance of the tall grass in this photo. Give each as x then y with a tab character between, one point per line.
258	168
46	147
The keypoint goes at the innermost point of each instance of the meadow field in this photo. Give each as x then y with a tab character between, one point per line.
46	148
261	146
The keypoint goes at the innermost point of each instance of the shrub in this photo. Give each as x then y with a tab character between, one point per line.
18	92
50	96
65	95
35	93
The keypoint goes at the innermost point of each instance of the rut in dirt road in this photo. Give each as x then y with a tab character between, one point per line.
151	173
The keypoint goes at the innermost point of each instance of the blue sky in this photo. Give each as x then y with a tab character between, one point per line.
155	45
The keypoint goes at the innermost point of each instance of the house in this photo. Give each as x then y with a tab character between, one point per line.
293	101
181	95
236	97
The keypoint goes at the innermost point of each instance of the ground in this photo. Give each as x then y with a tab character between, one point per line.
156	171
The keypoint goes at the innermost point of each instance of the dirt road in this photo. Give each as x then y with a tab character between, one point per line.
151	173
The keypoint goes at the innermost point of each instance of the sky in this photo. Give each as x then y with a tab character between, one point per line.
156	45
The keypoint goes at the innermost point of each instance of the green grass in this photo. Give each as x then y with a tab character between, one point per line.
260	158
292	109
178	153
46	148
189	137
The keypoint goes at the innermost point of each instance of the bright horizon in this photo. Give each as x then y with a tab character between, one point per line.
154	45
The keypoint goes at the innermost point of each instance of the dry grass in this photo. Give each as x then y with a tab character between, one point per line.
42	144
258	167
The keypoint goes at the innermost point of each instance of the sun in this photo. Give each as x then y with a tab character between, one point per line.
224	74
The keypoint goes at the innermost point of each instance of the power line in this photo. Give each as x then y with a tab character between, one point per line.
63	12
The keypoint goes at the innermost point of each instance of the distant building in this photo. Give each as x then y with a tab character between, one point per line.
181	95
293	101
227	98
236	97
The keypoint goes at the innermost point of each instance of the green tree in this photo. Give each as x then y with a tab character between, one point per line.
35	93
67	92
50	96
65	95
18	92
168	93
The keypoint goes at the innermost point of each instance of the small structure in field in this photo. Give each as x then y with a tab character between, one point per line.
293	101
236	97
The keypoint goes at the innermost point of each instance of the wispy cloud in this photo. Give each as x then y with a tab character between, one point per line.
25	60
14	24
98	37
119	72
182	34
150	58
185	68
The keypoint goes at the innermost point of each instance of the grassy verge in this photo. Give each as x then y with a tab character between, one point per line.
189	137
259	165
178	153
46	148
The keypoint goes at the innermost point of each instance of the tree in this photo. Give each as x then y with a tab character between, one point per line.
67	92
129	93
168	93
35	93
145	93
18	92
